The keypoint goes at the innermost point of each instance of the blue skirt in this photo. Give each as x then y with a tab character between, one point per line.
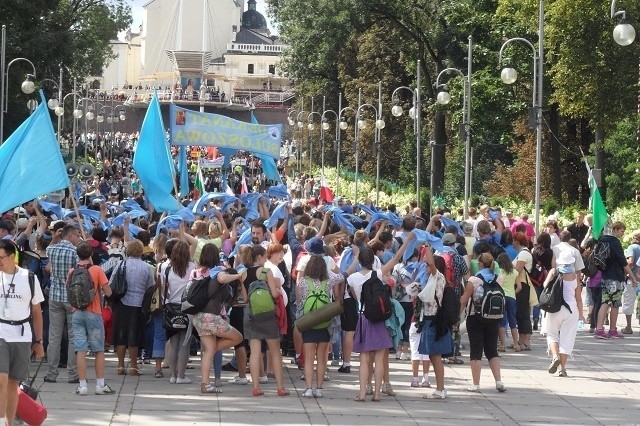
428	343
371	336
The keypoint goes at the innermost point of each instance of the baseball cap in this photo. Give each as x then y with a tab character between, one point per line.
315	246
448	239
22	223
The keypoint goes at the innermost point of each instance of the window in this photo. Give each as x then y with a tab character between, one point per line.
272	69
250	69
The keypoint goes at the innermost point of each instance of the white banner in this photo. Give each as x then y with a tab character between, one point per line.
212	164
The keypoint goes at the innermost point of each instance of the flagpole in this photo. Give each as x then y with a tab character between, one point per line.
75	209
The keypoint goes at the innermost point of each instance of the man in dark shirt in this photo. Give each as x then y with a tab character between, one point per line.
578	229
613	283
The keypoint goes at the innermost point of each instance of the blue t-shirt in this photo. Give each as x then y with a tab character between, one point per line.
633	251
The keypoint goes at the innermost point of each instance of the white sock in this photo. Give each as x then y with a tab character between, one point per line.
346	364
100	382
83	383
425	378
415	378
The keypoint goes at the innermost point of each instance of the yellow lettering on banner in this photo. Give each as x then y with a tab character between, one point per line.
194	136
208	138
179	137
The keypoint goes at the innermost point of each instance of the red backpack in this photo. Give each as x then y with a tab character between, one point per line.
294	271
449	270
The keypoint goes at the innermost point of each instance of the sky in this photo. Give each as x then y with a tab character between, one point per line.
137	12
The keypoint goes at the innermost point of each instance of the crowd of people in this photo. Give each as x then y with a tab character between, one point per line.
492	266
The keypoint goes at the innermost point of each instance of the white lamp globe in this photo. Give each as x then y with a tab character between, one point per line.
380	124
109	119
444	98
311	126
412	113
343	125
100	118
52	103
28	87
90	116
59	111
300	124
123	117
116	119
396	110
77	113
624	34
362	124
291	123
509	75
325	126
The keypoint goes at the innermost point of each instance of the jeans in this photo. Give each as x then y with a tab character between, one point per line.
536	309
59	314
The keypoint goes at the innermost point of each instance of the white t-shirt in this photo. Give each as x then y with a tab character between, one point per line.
177	284
356	280
277	273
14	304
302	263
566	254
525	256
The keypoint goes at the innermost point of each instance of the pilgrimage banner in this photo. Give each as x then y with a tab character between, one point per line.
190	127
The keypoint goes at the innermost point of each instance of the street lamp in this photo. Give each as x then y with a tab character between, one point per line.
310	127
88	116
343	125
27	87
300	125
361	125
509	76
416	115
444	98
624	34
326	126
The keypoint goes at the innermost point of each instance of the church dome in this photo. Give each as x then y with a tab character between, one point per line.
252	19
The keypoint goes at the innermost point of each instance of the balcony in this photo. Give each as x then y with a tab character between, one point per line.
267	49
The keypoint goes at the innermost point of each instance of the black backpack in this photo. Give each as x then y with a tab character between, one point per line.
491	305
601	254
496	249
118	282
552	299
196	295
375	299
80	288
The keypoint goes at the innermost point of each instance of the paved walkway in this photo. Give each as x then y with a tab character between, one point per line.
603	387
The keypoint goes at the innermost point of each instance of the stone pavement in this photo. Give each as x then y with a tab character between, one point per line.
603	387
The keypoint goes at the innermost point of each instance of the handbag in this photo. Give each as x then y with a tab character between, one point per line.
118	282
428	293
172	316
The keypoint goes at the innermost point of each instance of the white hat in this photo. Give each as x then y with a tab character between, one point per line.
22	223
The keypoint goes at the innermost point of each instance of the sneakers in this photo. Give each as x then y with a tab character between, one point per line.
308	393
500	387
554	365
344	369
172	380
104	390
415	383
600	334
335	363
473	388
437	394
387	389
81	390
562	373
238	381
263	379
627	330
613	334
183	380
318	393
405	357
425	383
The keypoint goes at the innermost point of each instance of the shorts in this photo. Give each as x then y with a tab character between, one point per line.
14	359
210	324
316	336
88	331
414	342
349	318
628	298
612	293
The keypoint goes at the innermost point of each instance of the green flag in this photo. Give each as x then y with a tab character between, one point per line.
199	183
596	205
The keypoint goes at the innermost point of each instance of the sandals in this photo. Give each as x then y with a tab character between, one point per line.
257	392
122	371
209	388
283	392
375	399
524	347
360	398
502	348
455	361
135	372
159	374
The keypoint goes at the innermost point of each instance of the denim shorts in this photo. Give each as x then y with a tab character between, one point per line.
509	317
88	331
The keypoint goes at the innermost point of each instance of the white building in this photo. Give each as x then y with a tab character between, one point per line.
209	52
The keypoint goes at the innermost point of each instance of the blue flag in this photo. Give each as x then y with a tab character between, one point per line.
152	161
30	161
268	163
184	172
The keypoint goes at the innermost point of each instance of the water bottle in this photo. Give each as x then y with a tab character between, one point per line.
580	325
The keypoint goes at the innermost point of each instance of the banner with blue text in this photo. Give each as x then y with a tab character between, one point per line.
190	127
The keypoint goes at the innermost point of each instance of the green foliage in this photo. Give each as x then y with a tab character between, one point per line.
623	160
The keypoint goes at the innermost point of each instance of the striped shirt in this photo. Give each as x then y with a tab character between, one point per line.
63	257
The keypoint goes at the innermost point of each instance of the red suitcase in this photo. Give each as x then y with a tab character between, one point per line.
29	410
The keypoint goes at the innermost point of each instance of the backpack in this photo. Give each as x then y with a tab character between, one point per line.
590	268
294	271
448	312
261	304
538	274
496	249
118	282
449	271
601	254
375	299
317	297
196	295
551	299
80	288
491	305
33	262
32	285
